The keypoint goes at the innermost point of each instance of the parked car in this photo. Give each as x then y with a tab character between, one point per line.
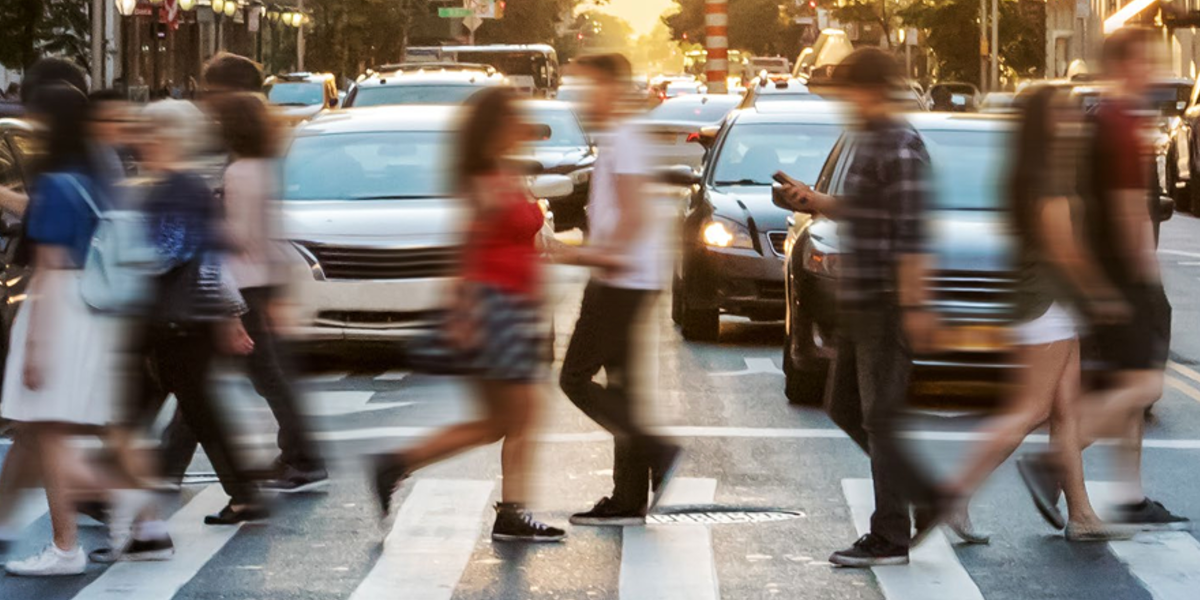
17	153
953	97
302	95
372	221
772	65
732	236
776	89
998	103
430	83
563	148
675	125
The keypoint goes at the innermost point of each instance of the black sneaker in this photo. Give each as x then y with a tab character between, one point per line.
515	524
870	551
662	471
290	480
228	516
388	472
137	551
1150	515
606	512
1040	475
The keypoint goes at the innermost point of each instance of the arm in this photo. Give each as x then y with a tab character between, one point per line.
1135	233
803	198
1057	235
13	202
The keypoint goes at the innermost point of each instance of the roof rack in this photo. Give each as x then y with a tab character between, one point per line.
433	66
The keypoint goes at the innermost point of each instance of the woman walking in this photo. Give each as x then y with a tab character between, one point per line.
494	315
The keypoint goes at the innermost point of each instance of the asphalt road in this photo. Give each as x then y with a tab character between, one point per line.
747	450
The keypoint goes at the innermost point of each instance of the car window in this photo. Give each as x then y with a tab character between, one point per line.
565	130
710	109
414	94
750	154
296	93
968	168
831	163
366	166
10	169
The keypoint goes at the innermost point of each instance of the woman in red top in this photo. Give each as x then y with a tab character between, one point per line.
495	314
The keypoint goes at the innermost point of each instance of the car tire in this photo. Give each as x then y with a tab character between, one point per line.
803	387
676	302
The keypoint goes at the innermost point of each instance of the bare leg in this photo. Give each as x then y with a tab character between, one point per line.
520	403
1109	412
21	471
57	472
458	438
1064	437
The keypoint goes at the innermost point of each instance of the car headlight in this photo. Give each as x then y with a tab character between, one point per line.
724	233
821	261
580	176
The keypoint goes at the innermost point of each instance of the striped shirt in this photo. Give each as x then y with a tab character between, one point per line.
882	212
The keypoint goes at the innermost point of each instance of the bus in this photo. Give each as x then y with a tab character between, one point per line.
532	68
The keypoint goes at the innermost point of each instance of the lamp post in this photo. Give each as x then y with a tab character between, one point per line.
125	9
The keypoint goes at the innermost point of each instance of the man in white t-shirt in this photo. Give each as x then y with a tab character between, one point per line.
619	220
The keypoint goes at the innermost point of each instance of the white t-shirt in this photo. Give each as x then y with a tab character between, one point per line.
624	151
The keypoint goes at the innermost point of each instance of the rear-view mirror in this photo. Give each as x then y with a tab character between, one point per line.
708	135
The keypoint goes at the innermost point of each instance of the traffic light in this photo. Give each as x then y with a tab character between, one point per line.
500	4
812	4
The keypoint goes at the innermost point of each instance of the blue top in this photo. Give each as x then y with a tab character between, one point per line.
59	216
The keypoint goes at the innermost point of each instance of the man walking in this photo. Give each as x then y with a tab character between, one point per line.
882	299
620	222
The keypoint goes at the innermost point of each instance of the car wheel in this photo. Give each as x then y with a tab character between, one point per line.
698	324
676	302
802	386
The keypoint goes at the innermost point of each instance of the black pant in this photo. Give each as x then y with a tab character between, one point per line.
181	358
265	366
603	338
866	396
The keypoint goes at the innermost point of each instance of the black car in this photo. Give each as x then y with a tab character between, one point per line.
732	236
972	288
17	152
563	149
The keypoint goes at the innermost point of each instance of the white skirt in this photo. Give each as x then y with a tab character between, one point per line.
1055	325
79	354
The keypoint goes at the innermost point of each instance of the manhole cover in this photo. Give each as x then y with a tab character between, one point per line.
720	516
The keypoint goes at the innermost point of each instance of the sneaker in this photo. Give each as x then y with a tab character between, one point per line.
515	524
870	551
228	516
1150	515
389	473
662	471
50	562
1041	479
290	480
606	512
1097	532
156	549
124	510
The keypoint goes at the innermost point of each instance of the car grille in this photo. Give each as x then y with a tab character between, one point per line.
778	241
375	319
969	297
770	290
366	263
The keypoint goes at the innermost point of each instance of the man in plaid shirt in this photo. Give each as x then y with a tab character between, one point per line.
882	300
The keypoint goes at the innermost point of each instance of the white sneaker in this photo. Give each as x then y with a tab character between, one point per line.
51	562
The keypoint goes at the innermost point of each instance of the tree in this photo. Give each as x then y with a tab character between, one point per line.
525	22
754	25
951	32
31	29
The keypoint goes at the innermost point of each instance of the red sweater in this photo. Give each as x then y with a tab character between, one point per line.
502	249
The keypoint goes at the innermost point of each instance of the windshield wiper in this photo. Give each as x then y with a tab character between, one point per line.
396	197
293	104
740	182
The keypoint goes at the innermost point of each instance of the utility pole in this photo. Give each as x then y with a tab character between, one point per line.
983	74
300	42
98	58
995	45
716	42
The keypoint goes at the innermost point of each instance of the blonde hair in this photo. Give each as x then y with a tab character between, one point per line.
188	128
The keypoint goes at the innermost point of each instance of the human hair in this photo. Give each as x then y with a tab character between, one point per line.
1120	46
614	67
488	112
1030	155
49	71
63	109
232	73
246	125
185	124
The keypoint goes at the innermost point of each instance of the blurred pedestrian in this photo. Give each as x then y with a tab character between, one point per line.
1057	278
883	302
1120	233
621	224
252	226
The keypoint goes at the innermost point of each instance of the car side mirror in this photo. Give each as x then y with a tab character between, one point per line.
680	175
551	186
708	136
1166	208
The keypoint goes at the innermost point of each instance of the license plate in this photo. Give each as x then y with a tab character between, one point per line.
975	338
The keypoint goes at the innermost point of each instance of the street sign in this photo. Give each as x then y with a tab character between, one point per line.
455	13
472	22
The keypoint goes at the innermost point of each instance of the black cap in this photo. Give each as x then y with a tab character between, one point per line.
867	68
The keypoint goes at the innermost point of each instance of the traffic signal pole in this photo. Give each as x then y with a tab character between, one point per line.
716	42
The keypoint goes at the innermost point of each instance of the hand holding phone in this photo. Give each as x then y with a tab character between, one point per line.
792	193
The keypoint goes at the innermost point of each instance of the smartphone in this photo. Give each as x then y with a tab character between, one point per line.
782	178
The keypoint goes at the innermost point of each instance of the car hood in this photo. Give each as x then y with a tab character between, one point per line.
973	241
301	112
429	222
561	157
745	202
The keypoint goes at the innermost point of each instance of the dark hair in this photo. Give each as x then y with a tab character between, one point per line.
1120	45
613	66
868	68
487	113
1031	153
246	125
232	72
48	71
64	110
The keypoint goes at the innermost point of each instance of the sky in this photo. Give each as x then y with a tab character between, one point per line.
642	15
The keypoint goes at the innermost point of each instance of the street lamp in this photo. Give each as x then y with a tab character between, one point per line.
125	8
297	19
187	4
231	7
218	6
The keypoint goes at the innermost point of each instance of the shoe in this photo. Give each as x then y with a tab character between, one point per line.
870	551
1041	479
122	513
1150	515
290	480
606	512
1097	532
959	521
662	471
158	549
228	516
389	473
515	524
49	563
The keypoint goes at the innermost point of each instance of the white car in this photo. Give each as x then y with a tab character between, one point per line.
374	229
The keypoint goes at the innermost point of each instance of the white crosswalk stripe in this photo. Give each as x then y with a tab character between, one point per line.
671	562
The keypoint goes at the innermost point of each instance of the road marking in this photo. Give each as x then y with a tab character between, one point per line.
431	542
30	507
754	366
933	572
671	562
195	544
392	376
1179	253
335	404
1183	388
325	378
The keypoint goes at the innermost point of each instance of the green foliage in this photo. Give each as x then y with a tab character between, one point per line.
952	33
754	25
31	29
524	22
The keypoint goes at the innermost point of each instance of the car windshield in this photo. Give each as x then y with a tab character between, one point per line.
1171	99
767	97
367	166
414	94
968	168
564	128
708	109
303	93
571	93
751	154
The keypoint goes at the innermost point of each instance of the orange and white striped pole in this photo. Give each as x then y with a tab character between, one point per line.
716	41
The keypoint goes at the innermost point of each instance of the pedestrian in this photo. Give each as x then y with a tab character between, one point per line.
1056	280
195	313
1120	234
883	302
494	315
621	224
252	226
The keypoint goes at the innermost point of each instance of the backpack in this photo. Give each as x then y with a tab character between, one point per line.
120	260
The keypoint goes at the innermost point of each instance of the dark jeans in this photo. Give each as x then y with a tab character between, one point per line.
603	338
181	358
866	396
266	368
